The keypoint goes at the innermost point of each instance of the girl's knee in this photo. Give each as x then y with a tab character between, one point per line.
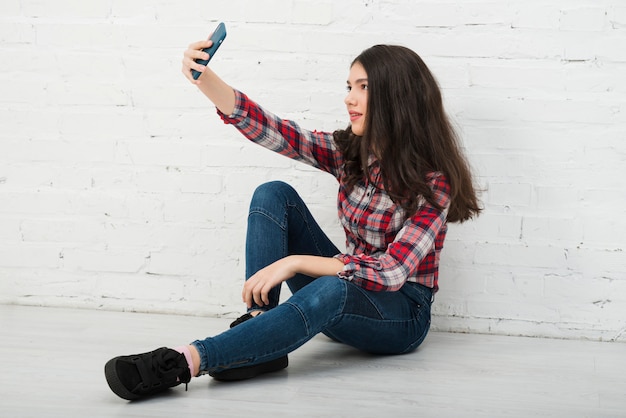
271	192
272	188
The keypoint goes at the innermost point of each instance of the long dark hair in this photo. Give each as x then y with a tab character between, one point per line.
408	130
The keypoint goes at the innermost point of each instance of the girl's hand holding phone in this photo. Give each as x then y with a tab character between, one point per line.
207	50
195	52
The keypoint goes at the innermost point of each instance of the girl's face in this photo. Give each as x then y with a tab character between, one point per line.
356	100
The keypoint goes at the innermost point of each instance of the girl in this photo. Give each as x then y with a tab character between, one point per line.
402	177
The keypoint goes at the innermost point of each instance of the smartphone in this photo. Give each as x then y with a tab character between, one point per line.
217	37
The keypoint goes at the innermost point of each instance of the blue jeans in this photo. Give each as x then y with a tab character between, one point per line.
279	224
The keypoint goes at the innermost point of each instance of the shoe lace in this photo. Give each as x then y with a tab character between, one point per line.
163	366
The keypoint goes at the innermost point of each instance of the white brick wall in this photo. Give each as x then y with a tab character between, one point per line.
121	189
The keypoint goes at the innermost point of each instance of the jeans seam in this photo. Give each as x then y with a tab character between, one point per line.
268	215
308	226
380	314
307	328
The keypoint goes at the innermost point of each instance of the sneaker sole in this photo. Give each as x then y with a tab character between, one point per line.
248	372
114	382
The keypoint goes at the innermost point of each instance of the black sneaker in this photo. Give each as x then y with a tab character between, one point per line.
242	318
248	372
133	377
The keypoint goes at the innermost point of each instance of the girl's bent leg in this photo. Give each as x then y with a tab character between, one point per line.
280	224
377	322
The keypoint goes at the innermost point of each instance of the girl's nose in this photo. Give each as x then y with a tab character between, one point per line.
349	99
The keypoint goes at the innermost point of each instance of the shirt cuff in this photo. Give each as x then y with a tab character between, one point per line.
349	267
239	113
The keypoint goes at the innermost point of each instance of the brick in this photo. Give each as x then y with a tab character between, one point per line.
205	210
62	231
187	124
243	155
10	230
597	262
530	18
236	213
536	76
136	10
522	286
449	15
10	8
159	152
121	233
617	16
307	13
586	77
614	53
458	253
109	260
509	194
239	183
536	256
19	123
154	290
63	151
22	91
93	35
583	19
270	11
607	234
173	179
485	307
489	226
579	46
551	229
559	197
43	175
79	65
157	235
501	165
104	203
17	33
174	263
35	202
84	123
86	93
31	256
67	9
269	39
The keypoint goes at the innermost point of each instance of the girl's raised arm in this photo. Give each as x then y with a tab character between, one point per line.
213	87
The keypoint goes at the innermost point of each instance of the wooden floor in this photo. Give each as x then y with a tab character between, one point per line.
53	359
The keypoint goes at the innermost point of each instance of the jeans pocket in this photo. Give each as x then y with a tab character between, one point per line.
420	295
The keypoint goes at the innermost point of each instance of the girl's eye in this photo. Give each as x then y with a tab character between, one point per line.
363	87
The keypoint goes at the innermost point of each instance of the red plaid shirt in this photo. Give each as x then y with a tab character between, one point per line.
384	248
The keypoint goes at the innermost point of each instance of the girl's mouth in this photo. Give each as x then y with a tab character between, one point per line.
354	116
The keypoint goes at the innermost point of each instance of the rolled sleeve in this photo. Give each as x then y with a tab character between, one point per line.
239	113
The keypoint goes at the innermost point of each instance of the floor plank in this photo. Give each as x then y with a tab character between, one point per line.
53	359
